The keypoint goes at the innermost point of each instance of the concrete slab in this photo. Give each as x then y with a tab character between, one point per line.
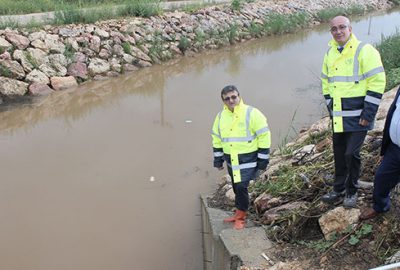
227	248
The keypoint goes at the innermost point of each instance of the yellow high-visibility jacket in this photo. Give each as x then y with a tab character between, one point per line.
352	83
242	139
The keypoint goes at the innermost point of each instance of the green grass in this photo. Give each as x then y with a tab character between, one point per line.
389	48
184	43
276	23
327	14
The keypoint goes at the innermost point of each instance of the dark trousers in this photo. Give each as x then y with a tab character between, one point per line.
346	150
386	178
241	193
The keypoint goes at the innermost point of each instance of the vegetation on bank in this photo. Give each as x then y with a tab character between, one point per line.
389	48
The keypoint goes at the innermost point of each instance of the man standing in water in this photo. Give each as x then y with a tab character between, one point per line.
353	81
241	137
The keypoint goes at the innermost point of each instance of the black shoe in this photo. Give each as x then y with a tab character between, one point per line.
332	196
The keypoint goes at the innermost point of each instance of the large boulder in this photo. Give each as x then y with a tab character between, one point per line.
12	69
338	220
19	41
98	66
39	89
79	70
62	83
10	87
36	76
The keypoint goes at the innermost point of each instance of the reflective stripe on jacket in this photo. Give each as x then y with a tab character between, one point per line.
242	139
352	83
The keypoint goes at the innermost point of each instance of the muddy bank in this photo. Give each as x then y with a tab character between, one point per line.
56	58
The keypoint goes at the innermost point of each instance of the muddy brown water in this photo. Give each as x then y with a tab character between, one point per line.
107	176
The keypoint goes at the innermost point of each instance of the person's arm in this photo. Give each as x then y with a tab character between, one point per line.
372	68
261	129
325	85
217	145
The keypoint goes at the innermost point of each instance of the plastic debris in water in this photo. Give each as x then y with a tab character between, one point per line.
188	121
152	179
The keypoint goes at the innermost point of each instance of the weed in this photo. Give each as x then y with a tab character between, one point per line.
69	52
200	37
320	245
190	8
358	234
255	29
232	33
389	49
327	14
10	23
31	60
276	23
126	46
4	71
236	4
184	44
143	8
156	47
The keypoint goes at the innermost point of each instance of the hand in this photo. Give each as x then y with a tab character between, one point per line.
363	122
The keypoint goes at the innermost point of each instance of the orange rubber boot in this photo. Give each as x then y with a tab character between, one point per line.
232	218
240	220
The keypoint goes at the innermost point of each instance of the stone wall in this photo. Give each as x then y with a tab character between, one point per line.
59	57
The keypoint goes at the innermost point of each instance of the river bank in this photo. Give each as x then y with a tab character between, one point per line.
306	233
54	58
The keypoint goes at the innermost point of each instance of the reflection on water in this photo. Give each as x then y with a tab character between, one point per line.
107	175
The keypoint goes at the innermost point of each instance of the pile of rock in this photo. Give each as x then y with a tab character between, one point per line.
56	58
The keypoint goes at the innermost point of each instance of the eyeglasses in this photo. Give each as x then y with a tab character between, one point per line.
228	98
339	28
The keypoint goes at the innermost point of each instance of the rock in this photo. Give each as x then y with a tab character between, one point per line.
12	69
266	201
36	76
140	54
9	87
98	66
338	220
39	44
365	185
143	64
115	65
5	56
53	44
95	43
79	57
22	58
104	54
19	41
62	83
39	89
395	258
67	32
4	44
129	59
101	33
37	56
40	35
302	155
275	213
129	68
58	62
230	197
79	70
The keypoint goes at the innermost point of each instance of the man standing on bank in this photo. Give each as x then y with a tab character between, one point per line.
388	173
241	137
353	81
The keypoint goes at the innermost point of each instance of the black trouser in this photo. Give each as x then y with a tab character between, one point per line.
241	194
346	150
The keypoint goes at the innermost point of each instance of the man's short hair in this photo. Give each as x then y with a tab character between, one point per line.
229	88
